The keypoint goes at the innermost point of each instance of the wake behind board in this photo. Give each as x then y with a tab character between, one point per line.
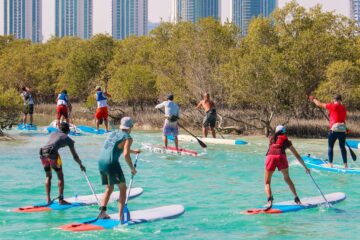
76	202
306	203
321	164
353	143
188	138
91	130
168	150
136	217
27	127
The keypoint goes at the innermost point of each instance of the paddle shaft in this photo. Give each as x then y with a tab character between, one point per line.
353	155
131	180
322	194
202	144
91	187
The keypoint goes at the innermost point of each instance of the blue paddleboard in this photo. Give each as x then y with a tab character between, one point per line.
353	143
91	130
27	127
321	164
54	129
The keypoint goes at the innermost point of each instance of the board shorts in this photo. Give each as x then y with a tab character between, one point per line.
28	109
112	178
61	110
102	113
54	163
276	161
171	129
209	119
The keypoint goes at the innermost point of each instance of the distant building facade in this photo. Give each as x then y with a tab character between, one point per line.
23	19
355	10
243	11
129	17
74	18
193	10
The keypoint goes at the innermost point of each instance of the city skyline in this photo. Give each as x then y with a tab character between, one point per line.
158	9
193	10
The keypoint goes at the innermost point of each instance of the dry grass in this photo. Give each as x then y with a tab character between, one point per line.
150	118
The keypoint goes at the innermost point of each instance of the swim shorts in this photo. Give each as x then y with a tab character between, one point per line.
171	129
276	161
209	119
49	163
112	178
61	110
28	109
101	113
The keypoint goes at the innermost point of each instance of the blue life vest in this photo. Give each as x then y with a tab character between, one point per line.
100	96
63	96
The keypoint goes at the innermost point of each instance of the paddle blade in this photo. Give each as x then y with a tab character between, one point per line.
126	214
353	155
202	144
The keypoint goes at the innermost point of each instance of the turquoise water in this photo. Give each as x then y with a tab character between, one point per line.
214	190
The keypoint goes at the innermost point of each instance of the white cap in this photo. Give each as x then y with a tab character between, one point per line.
126	123
280	128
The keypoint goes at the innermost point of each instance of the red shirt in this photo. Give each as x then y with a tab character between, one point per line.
337	113
278	147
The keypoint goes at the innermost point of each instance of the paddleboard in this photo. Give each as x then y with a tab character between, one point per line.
27	127
188	138
73	129
306	203
76	201
321	164
136	217
353	143
91	130
168	150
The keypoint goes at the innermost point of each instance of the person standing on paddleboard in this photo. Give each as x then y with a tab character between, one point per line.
102	108
28	105
62	107
50	159
119	142
276	158
171	117
210	117
337	119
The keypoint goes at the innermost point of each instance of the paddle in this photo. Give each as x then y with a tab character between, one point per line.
352	153
202	144
91	187
318	188
126	211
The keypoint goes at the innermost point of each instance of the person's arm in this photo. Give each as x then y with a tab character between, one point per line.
160	105
298	157
77	158
317	102
127	156
199	105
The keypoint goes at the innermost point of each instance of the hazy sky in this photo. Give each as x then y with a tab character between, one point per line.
158	9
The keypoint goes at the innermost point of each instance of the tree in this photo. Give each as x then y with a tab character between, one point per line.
10	108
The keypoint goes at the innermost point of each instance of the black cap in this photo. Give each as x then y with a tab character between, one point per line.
170	97
337	97
64	127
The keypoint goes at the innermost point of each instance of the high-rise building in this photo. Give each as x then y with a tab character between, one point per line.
355	10
23	19
193	10
245	10
74	18
129	17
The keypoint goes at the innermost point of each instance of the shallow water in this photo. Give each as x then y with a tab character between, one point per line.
214	190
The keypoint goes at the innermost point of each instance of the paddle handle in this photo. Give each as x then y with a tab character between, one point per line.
322	194
131	180
91	187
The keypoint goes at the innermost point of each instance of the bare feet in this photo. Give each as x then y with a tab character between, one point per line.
103	215
63	202
345	165
297	200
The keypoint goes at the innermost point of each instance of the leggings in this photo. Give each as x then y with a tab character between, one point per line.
331	142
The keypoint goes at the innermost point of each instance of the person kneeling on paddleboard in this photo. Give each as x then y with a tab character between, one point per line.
119	142
50	159
337	119
276	158
171	117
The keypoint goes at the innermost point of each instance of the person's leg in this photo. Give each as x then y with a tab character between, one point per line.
331	142
31	119
61	184
165	141
342	140
48	185
24	119
213	133
204	131
176	140
288	180
122	199
268	175
108	191
106	122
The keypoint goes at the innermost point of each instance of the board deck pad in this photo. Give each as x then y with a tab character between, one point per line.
136	217
188	138
168	150
92	130
76	202
321	164
306	203
353	143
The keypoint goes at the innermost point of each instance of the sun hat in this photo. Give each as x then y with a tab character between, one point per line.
126	123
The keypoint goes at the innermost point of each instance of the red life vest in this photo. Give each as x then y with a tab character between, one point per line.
278	147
